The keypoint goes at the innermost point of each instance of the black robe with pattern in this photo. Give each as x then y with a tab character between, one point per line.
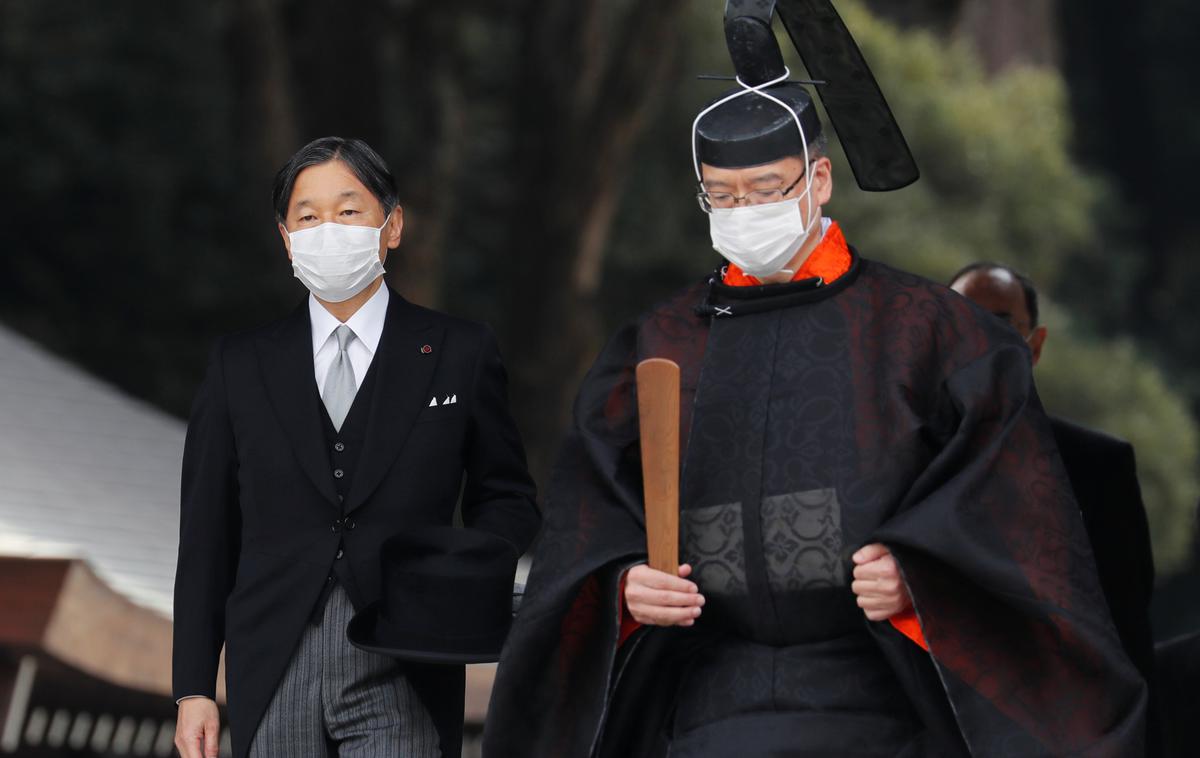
815	420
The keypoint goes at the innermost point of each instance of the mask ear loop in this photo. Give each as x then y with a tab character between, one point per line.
758	90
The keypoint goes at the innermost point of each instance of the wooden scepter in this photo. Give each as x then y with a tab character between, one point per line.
658	419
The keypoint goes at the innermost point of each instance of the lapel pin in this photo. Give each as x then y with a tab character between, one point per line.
426	349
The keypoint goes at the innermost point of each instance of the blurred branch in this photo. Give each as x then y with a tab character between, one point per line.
430	78
588	81
262	83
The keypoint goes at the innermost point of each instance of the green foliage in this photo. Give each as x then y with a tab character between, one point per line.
1111	386
997	179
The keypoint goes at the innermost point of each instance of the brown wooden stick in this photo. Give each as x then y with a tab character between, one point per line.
658	416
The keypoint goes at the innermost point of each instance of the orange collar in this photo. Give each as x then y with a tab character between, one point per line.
828	260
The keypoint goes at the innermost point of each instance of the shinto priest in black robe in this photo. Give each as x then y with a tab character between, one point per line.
819	416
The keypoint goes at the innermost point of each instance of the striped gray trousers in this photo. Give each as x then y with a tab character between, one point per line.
335	699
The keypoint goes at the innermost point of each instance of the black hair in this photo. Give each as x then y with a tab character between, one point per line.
1031	295
363	162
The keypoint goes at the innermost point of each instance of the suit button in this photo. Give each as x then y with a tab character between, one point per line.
338	473
329	579
341	498
338	446
350	523
339	554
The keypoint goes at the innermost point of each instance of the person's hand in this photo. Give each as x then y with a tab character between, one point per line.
662	599
197	728
877	583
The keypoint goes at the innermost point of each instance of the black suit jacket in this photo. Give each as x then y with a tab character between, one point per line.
257	526
1103	475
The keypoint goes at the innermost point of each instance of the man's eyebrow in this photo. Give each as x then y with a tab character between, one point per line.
344	194
771	177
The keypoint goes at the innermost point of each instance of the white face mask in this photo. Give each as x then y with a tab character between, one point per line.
760	239
337	261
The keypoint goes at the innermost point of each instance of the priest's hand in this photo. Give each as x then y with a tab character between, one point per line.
662	599
197	728
881	591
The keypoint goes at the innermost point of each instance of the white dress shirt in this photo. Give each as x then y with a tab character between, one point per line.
367	325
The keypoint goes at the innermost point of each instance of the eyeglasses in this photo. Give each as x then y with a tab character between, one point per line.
723	200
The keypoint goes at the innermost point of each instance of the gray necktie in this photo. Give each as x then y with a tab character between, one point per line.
339	382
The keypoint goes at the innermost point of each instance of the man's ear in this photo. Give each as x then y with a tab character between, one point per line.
822	176
394	228
1036	340
287	241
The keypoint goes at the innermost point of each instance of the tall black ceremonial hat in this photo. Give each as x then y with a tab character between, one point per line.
752	130
447	597
871	138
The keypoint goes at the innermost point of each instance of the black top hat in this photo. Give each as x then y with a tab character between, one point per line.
446	597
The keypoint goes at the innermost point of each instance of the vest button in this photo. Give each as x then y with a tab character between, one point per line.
339	554
339	447
338	473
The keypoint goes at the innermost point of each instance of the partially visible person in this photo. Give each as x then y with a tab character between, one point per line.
1101	468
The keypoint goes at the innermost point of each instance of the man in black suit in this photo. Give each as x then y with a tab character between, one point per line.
1101	469
312	440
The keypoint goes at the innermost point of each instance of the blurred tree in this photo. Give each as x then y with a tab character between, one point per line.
117	189
997	179
941	15
1129	67
1003	32
588	74
1132	68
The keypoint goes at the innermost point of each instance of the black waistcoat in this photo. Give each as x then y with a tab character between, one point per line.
345	448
